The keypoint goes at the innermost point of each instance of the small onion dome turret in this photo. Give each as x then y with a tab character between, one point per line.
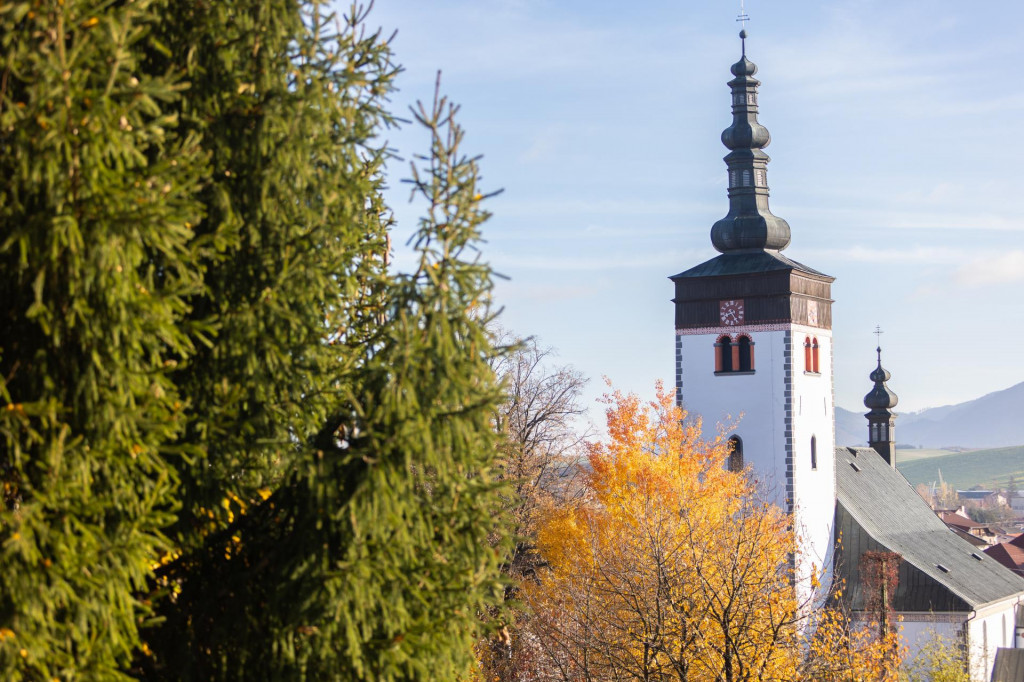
744	67
881	396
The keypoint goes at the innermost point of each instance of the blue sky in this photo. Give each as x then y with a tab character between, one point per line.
895	142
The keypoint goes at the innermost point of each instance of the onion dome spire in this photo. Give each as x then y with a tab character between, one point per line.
881	396
749	225
880	401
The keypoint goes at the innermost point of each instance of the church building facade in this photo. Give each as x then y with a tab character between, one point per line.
754	339
753	350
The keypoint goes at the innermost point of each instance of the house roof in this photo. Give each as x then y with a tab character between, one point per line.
973	539
974	494
958	520
1008	554
940	571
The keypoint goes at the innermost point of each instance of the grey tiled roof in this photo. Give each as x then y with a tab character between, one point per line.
744	263
876	506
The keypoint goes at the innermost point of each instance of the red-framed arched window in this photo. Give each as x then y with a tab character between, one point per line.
814	354
808	363
723	354
734	355
745	353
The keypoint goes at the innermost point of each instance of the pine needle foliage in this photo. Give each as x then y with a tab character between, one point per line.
288	100
96	253
375	556
233	445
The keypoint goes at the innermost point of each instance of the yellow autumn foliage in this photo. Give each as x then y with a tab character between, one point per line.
842	651
670	567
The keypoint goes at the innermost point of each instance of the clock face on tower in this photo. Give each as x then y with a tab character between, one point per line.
731	312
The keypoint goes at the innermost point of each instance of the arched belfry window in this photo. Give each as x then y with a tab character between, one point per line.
808	363
735	454
814	354
746	353
814	453
723	354
734	355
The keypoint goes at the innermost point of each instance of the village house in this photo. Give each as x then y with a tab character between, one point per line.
985	499
1009	554
981	534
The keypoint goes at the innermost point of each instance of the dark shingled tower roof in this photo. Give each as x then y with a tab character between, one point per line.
749	224
749	237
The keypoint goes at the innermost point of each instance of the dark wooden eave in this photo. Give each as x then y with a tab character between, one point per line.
774	289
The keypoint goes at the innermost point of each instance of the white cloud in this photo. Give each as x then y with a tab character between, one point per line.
952	221
863	254
1002	268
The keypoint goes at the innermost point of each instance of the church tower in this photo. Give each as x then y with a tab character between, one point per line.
881	418
754	339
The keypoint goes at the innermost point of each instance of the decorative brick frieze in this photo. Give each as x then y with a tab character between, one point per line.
737	330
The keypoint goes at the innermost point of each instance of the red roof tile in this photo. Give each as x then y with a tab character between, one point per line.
1008	555
954	519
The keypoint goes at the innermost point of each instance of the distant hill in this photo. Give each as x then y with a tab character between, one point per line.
852	427
986	468
991	421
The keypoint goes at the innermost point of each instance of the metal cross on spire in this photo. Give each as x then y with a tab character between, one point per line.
742	17
878	337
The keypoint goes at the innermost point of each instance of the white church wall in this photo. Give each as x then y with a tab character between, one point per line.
919	631
777	402
753	401
990	629
813	478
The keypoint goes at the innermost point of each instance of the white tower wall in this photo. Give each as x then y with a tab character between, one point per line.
775	410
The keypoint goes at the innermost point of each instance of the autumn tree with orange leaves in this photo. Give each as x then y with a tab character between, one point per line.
670	568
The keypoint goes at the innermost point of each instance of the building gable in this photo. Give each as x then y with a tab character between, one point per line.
877	507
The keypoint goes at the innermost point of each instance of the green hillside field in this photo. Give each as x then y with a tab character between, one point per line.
990	468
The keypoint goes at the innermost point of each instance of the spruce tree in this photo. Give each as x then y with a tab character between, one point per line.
288	102
97	261
253	453
377	554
